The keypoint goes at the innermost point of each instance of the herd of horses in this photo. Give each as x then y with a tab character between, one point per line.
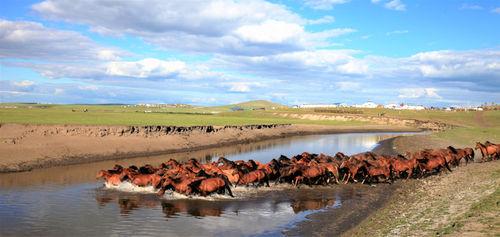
193	177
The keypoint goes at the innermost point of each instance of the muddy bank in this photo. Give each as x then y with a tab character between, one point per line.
382	120
459	203
26	147
335	221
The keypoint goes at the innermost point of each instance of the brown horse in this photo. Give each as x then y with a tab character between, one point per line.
400	165
211	185
143	180
491	151
353	166
377	172
465	153
183	186
110	178
312	174
253	177
432	163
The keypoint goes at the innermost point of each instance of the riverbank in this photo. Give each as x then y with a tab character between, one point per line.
26	147
463	202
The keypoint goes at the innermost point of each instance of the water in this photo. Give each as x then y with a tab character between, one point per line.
68	201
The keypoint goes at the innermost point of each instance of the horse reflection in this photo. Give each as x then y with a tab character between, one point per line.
172	209
314	204
128	203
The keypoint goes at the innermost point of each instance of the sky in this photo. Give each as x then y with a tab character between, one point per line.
420	52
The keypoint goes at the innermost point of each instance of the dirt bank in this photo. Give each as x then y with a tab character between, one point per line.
25	147
461	203
382	120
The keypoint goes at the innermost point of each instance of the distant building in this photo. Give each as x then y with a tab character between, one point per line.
404	107
313	106
368	104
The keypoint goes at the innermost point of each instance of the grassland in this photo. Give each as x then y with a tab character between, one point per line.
140	115
472	125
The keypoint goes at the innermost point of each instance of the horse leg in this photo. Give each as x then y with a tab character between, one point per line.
348	177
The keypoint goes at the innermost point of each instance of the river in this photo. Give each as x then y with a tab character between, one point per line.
69	201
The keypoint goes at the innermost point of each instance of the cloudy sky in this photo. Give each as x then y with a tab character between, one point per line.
225	51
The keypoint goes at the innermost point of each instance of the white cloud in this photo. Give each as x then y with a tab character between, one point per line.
322	20
241	86
396	5
58	91
24	83
324	4
397	32
348	85
496	10
31	40
467	6
413	93
145	68
270	32
221	26
88	87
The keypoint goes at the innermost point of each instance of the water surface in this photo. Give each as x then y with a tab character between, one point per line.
68	201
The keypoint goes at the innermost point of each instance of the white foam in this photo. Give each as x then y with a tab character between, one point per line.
239	192
129	187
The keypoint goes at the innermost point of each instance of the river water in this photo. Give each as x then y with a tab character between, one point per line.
68	201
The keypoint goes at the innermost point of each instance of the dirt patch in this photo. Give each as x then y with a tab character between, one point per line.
479	119
25	147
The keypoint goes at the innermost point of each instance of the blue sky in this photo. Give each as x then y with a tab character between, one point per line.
217	52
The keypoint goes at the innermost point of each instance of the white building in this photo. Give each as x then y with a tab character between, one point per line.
313	106
368	104
404	107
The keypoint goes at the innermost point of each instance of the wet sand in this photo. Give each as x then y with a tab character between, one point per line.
27	147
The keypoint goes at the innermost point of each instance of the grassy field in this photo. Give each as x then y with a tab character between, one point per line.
122	115
473	125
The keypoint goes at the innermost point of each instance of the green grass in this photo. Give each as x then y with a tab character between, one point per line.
119	115
470	129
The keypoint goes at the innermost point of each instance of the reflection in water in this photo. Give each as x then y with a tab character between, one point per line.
127	203
67	200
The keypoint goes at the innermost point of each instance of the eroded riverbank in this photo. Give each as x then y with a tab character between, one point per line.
26	147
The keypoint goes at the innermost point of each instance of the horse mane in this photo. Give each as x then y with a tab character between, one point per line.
452	149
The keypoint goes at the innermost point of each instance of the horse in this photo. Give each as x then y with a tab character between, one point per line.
256	176
216	184
400	165
491	151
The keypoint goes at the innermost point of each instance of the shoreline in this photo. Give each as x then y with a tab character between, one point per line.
439	203
109	143
338	221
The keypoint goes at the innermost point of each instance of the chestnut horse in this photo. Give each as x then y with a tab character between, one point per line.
491	151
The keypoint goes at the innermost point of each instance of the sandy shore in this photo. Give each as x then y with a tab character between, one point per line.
26	147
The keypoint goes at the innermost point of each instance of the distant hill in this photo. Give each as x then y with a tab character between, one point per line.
253	104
